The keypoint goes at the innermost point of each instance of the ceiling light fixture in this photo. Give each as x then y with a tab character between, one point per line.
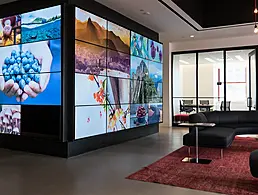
146	13
210	60
192	36
184	62
239	58
255	17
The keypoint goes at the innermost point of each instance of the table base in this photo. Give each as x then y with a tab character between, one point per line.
194	160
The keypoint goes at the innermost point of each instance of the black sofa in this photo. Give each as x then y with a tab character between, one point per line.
228	125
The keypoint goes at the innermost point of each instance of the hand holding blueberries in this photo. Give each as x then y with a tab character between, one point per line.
21	71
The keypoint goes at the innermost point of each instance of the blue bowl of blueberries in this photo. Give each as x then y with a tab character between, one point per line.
22	68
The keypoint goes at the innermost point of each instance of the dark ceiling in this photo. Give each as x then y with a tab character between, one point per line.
215	13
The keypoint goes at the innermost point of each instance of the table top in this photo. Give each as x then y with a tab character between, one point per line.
197	124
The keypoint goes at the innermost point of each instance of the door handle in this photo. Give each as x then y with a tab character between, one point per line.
249	102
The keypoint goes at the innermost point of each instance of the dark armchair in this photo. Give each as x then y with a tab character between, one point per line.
184	108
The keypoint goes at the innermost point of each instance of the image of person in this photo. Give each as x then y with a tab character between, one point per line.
9	26
42	52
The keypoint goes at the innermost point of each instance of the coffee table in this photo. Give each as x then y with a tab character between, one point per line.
197	159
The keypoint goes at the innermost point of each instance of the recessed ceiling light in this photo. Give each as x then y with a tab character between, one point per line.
184	62
240	58
192	36
146	13
210	60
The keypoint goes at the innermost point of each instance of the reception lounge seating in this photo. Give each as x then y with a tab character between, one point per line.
228	125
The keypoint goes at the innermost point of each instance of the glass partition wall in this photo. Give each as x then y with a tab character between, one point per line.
218	80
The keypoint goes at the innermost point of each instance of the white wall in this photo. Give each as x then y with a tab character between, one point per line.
167	90
214	43
193	45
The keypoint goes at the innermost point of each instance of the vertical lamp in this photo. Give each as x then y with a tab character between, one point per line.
255	17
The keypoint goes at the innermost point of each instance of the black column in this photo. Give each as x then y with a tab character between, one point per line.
68	70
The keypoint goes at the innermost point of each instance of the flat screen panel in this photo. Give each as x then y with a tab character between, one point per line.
10	30
118	38
90	28
90	89
118	117
139	68
156	71
155	51
10	119
139	115
139	45
118	90
118	64
155	113
44	24
90	121
90	59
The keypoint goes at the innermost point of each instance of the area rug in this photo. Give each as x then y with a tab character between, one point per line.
230	175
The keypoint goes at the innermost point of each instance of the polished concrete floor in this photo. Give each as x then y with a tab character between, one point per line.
100	172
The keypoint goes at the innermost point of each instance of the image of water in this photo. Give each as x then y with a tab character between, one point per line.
51	30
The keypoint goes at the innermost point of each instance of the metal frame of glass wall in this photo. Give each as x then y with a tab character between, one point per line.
224	85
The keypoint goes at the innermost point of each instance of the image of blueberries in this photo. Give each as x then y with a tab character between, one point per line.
39	69
13	78
12	60
36	61
15	65
4	71
34	67
23	55
27	67
22	71
22	84
7	61
7	76
28	54
37	78
31	71
31	56
24	77
13	53
12	72
28	80
31	61
18	78
16	70
20	66
4	66
24	60
9	69
18	60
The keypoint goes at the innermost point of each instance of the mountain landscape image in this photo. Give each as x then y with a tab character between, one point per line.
93	29
90	31
118	38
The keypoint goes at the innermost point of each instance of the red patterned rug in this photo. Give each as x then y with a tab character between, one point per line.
230	175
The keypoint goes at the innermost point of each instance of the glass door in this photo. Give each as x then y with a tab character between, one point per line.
239	83
251	100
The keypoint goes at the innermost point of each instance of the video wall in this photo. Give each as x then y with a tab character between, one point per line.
30	60
118	77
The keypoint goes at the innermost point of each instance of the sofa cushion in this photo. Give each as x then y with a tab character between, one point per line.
253	161
246	130
216	137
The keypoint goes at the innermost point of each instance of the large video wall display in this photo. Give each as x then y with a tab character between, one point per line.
118	77
30	64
